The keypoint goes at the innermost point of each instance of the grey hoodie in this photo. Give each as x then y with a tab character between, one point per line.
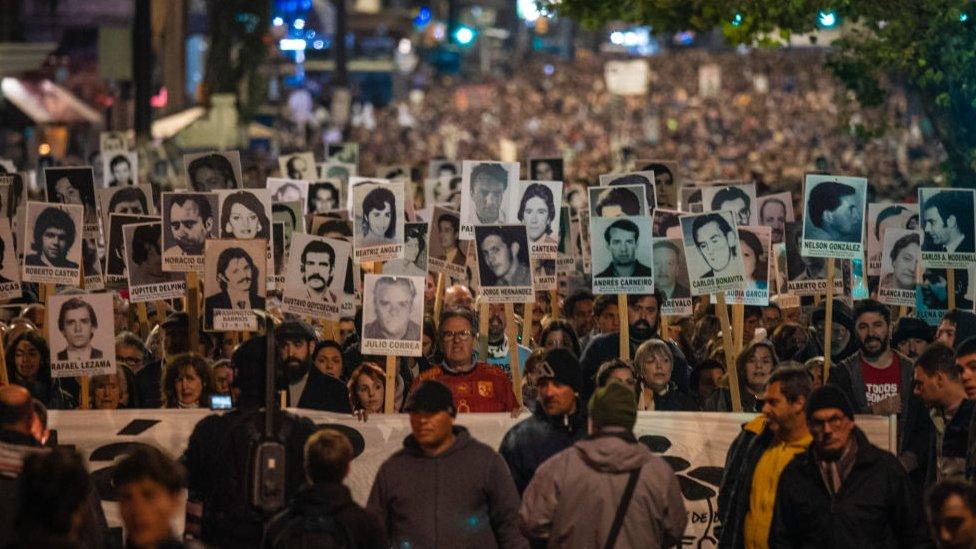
464	497
574	496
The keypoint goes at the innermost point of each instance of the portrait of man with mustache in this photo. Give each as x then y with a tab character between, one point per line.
237	276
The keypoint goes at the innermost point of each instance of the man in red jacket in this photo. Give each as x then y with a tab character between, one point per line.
476	386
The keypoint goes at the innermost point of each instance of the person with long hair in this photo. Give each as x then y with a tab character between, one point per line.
753	367
559	333
537	210
379	217
242	216
29	365
754	261
187	382
367	390
654	363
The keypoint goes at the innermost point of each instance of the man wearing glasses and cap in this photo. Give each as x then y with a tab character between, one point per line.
476	386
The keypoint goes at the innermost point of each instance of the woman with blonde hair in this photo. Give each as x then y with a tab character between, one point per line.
654	363
753	367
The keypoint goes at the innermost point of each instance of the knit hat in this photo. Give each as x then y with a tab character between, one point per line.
907	327
613	405
294	329
829	396
431	397
842	314
561	366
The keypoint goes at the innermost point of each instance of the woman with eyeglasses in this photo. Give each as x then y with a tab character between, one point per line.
654	362
131	353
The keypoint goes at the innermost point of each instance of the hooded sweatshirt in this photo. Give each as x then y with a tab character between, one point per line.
463	497
573	497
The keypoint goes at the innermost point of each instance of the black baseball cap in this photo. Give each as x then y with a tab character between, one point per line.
431	397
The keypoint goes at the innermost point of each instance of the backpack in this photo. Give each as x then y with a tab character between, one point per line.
308	531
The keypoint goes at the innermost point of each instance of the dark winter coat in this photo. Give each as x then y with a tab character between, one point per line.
329	500
532	441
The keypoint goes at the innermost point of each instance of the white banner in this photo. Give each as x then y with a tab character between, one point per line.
693	443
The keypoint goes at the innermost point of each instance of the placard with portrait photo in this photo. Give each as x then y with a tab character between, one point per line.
442	167
629	179
738	199
276	276
666	223
393	315
833	218
932	294
74	185
775	211
711	245
622	254
666	181
691	198
326	196
505	266
671	276
806	275
900	266
147	281
10	267
91	265
546	169
112	141
754	247
13	195
949	234
82	334
213	171
298	166
288	190
131	200
189	220
618	201
115	264
415	251
883	216
346	152
446	249
444	190
566	252
489	194
53	237
336	170
394	171
119	168
583	242
378	220
316	276
234	284
245	214
538	210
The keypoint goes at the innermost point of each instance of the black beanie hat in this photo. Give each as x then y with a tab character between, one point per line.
562	366
829	396
907	327
431	397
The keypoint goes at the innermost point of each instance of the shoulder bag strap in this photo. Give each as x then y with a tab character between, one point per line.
618	518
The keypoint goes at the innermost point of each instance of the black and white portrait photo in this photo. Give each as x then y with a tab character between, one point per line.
9	268
664	223
394	171
213	171
834	216
806	275
504	265
622	255
131	200
53	236
620	201
900	267
538	210
712	252
947	225
393	312
336	170
288	190
671	276
74	186
112	142
754	248
415	249
245	214
347	153
489	194
144	264
644	179
297	166
316	276
234	284
546	169
738	199
189	219
690	198
665	180
446	253
82	334
115	275
378	220
884	216
443	168
119	168
775	211
325	196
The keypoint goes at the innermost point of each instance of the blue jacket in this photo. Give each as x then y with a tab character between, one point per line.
539	437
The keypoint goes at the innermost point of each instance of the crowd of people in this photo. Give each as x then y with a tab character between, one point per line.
571	473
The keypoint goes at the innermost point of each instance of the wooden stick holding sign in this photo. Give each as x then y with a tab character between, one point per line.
526	323
4	380
483	331
143	315
665	326
513	349
161	311
554	305
828	318
193	309
738	325
951	285
623	313
83	381
733	376
439	299
390	387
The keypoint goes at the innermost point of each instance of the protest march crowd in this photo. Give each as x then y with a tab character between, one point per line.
749	254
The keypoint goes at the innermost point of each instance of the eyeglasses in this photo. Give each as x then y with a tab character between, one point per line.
130	360
460	335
